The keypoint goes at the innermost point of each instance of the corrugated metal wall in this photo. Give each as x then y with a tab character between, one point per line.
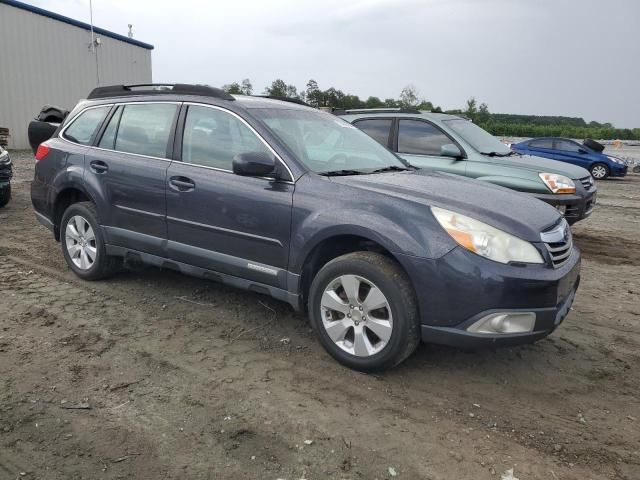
44	61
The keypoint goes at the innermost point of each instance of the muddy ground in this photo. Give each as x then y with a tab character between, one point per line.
154	375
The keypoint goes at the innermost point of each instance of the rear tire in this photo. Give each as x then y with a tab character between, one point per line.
364	312
5	195
83	245
599	171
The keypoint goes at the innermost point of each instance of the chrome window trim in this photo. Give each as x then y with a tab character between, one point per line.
216	107
292	177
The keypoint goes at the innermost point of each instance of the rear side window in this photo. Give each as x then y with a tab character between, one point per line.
213	137
377	129
420	138
83	130
567	146
542	143
143	129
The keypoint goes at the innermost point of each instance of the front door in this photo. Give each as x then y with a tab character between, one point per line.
128	167
220	221
419	142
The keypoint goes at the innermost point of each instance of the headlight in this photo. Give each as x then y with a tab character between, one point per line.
558	183
615	160
486	240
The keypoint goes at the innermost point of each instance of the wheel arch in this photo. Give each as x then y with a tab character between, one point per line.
67	196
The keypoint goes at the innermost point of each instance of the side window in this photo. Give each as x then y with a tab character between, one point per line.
84	128
567	146
144	129
377	129
213	137
108	139
420	138
542	143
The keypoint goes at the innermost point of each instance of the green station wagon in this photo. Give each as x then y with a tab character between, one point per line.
448	143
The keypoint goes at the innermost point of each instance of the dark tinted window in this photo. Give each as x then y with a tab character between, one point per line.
420	137
144	129
567	146
109	136
84	128
542	143
377	129
213	137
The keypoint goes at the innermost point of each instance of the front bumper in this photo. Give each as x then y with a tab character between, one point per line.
576	206
460	288
618	170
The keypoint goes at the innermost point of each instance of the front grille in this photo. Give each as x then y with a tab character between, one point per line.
559	243
587	182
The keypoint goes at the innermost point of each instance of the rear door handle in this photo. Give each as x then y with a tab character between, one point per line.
182	184
98	166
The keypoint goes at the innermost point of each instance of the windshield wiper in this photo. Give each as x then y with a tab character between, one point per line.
336	173
390	168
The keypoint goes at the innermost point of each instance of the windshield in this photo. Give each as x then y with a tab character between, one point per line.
326	143
478	138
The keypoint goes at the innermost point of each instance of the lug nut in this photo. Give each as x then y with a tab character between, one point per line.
348	315
360	308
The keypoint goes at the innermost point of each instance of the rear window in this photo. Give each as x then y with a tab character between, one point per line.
377	129
84	128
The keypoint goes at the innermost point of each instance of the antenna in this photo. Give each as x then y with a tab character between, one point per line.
94	44
130	34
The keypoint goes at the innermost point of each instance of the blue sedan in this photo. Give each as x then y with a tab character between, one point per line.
565	150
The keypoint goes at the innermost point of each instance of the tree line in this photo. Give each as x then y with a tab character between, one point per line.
501	124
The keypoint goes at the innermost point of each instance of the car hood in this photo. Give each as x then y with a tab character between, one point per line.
546	165
516	213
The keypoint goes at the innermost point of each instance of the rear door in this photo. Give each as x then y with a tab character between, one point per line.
542	147
419	142
220	221
128	168
569	151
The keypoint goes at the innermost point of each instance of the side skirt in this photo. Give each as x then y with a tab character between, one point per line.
292	299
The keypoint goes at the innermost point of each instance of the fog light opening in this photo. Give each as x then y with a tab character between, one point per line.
504	323
562	209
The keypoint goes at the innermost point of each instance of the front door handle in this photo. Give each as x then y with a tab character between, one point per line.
182	184
98	166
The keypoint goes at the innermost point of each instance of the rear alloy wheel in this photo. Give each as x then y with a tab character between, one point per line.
363	309
82	243
599	171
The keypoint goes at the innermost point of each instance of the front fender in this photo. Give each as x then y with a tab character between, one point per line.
516	183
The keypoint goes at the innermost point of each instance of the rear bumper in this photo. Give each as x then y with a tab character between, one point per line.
460	288
577	206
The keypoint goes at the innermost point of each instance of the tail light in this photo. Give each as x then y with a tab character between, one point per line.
42	152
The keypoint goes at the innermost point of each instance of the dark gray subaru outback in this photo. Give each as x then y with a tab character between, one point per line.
286	200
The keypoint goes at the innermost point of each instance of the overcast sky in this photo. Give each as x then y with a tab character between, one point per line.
554	57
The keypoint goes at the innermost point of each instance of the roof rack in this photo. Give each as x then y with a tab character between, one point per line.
285	99
375	110
158	89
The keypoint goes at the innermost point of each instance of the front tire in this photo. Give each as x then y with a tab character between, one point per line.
599	171
5	195
364	312
83	245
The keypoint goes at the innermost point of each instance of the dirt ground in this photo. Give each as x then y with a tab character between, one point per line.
154	375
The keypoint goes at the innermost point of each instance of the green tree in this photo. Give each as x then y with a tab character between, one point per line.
373	102
278	88
409	97
483	114
233	88
247	87
472	108
313	94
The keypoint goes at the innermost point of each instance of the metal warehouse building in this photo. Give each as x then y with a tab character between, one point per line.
46	58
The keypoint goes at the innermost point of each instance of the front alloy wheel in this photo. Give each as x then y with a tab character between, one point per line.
599	171
363	308
356	315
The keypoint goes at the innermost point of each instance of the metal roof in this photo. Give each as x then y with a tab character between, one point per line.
75	23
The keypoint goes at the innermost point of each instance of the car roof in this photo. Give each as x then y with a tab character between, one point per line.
374	113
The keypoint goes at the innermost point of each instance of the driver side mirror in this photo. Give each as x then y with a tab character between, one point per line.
450	150
254	164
